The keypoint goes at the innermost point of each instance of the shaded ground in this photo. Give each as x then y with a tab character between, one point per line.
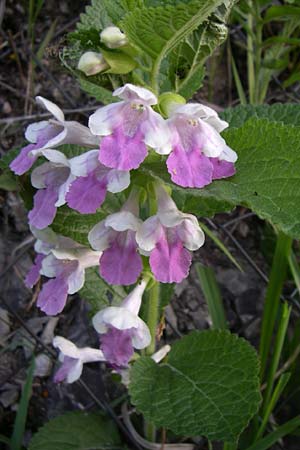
243	292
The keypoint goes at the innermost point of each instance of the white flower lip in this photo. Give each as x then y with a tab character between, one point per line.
203	112
126	317
82	355
132	92
51	107
169	216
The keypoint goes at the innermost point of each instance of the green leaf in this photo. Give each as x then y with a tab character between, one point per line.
100	93
101	14
8	157
98	293
71	223
293	78
119	62
208	386
287	113
157	31
266	181
267	172
77	431
20	422
281	13
71	150
8	182
198	46
212	295
271	439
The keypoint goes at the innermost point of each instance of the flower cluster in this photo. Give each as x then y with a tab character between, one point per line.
117	141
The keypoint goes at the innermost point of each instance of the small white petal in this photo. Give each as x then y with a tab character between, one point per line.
39	174
218	124
122	221
83	164
33	130
76	280
75	373
70	254
79	134
133	301
63	190
116	316
142	337
65	346
51	266
161	353
132	92
149	233
53	156
118	180
88	354
190	233
99	236
199	111
157	134
51	107
57	140
103	120
228	155
213	143
88	258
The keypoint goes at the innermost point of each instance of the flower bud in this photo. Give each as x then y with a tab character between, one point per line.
168	102
92	63
113	37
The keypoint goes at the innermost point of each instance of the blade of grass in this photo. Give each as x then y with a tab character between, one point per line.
230	446
250	54
295	269
46	40
212	296
285	312
276	281
280	386
237	79
20	422
4	439
220	244
272	438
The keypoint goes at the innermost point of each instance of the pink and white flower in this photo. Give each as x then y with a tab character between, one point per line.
46	240
64	261
49	134
128	127
121	330
82	182
73	358
168	237
120	262
199	154
87	193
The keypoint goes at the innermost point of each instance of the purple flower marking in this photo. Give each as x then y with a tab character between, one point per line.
120	262
73	358
50	134
121	330
199	154
128	127
167	237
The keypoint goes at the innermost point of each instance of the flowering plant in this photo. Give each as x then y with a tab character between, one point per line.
133	183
